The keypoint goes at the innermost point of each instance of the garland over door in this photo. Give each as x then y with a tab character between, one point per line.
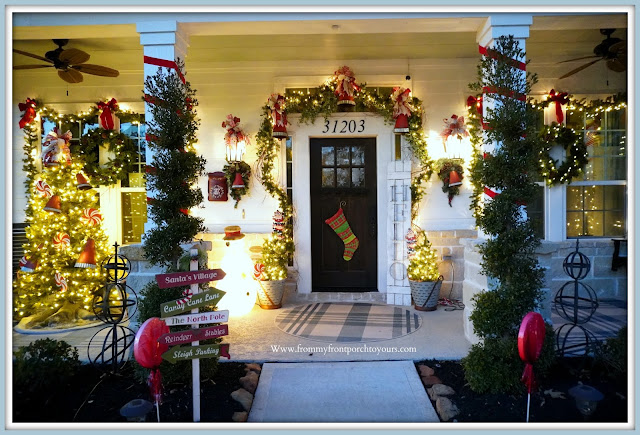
343	177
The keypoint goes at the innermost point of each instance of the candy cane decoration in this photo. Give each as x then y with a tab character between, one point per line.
61	241
258	270
187	297
61	282
92	216
44	189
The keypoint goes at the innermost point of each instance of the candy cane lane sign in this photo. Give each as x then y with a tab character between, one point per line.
182	337
209	297
179	279
181	353
198	318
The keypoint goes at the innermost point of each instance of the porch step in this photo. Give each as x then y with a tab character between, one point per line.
341	297
385	391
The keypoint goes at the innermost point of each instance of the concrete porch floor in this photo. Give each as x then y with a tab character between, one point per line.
255	337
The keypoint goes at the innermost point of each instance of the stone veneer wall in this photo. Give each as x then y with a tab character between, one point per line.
606	283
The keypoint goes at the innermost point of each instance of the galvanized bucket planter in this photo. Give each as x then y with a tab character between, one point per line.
270	294
425	294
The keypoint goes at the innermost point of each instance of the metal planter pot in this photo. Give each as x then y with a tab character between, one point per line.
270	294
425	294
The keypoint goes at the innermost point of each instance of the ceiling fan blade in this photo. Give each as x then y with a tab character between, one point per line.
35	56
578	58
96	70
70	76
580	68
31	66
73	56
617	65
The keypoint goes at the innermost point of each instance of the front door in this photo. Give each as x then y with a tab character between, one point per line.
343	176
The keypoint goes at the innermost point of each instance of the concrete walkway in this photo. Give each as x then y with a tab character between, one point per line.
384	391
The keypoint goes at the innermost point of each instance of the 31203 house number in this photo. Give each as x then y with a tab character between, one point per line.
344	126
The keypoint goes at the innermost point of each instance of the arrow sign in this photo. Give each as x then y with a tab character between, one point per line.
182	337
181	353
199	318
179	279
209	297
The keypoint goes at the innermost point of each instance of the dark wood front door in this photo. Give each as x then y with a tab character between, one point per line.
343	175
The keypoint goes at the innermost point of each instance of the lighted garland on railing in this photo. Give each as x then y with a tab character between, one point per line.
323	101
115	169
474	126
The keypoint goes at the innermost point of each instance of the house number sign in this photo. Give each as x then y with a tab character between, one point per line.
344	126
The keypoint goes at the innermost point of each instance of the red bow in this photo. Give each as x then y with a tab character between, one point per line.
29	109
474	103
559	98
106	118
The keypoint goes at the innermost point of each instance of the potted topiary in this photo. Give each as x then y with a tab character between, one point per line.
271	272
424	278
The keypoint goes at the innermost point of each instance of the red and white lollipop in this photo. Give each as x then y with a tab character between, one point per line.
92	216
258	270
61	241
61	282
44	189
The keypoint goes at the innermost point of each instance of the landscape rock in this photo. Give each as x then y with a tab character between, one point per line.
240	417
432	395
446	408
243	397
253	367
425	370
250	382
443	390
430	380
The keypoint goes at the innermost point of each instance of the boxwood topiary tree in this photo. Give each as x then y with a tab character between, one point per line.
509	260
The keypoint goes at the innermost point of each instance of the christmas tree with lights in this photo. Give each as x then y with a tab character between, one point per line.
423	260
60	269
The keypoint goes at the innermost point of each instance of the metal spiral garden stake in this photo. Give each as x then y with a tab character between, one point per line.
575	302
112	306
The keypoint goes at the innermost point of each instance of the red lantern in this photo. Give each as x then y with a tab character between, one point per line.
83	184
402	124
238	182
218	188
53	205
454	179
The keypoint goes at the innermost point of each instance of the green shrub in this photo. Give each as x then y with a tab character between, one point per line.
495	366
44	365
613	353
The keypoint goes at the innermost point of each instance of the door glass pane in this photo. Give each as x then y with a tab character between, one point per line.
343	179
328	156
328	177
357	156
357	177
342	156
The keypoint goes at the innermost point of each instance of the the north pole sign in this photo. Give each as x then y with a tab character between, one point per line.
199	318
209	297
179	279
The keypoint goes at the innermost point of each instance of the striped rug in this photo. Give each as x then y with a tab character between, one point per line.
348	323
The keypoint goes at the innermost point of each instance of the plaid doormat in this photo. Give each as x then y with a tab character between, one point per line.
348	323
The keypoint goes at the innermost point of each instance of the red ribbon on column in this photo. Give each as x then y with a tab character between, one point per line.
494	54
106	117
29	109
164	63
559	98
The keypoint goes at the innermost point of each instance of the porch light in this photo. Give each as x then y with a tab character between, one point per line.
235	151
587	398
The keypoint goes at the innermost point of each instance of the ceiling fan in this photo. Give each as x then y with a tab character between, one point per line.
70	63
613	50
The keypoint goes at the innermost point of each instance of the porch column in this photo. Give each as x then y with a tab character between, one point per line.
165	40
494	27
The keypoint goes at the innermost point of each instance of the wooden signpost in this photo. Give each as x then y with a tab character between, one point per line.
180	353
169	310
209	297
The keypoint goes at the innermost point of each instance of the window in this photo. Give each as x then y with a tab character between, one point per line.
596	204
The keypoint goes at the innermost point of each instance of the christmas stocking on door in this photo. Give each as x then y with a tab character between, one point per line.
338	222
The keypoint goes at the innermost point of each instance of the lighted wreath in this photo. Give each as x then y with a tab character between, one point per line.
576	159
117	168
230	174
450	183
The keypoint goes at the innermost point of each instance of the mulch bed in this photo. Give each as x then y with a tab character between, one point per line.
90	398
564	375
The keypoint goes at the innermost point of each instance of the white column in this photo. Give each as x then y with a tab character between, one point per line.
493	28
163	40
